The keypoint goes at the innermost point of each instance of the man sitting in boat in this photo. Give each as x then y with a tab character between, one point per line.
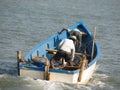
76	33
66	51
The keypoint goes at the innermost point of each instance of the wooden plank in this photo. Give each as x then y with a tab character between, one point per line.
52	51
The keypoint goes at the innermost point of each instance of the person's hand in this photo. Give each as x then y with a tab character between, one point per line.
84	33
59	32
52	66
64	29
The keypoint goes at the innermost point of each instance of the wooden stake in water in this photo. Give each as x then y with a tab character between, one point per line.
18	60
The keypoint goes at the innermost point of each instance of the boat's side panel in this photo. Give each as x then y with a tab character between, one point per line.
54	76
62	77
32	73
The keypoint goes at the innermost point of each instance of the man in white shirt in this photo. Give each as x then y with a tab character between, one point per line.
66	51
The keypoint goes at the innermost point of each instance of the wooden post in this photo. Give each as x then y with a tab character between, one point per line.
37	53
18	60
82	69
94	33
47	73
48	45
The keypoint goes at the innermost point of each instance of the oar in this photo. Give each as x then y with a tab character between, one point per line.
94	33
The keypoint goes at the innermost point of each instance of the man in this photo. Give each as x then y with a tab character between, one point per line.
66	51
76	33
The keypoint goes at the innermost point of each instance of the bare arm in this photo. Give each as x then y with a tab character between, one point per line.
52	63
64	29
83	33
72	54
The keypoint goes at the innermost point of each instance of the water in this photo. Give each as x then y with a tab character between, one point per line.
23	23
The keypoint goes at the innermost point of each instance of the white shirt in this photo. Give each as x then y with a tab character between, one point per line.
67	45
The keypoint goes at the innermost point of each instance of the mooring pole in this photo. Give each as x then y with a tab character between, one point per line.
47	73
94	35
82	68
18	61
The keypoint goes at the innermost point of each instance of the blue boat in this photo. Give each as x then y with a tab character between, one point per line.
36	63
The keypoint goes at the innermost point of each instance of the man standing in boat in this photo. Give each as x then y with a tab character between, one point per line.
66	51
76	33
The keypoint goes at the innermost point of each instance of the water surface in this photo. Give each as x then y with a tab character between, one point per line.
24	23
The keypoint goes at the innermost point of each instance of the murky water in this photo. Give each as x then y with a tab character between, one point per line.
23	23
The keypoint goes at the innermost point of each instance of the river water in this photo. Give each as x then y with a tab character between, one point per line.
24	23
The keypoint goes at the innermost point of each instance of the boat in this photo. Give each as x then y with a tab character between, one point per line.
36	64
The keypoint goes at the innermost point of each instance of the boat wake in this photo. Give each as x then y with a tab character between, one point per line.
9	82
100	80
